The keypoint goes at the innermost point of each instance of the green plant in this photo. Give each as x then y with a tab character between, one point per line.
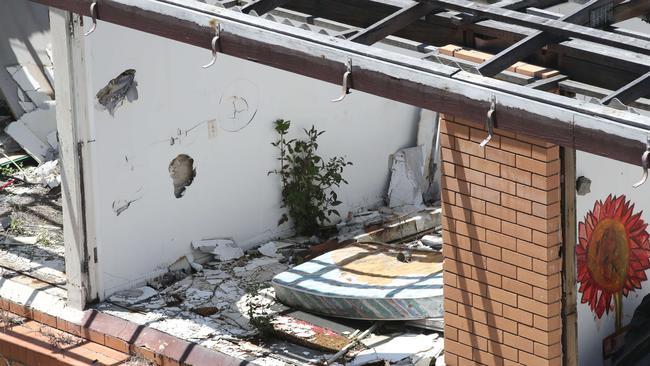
259	314
307	180
43	238
10	169
17	226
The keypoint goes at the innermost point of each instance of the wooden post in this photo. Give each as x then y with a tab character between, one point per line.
569	298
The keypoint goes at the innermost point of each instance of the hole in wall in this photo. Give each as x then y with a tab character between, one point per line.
182	172
123	86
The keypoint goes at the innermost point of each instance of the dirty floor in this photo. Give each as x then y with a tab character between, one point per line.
31	236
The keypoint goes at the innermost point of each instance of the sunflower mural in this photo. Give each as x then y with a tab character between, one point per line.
612	255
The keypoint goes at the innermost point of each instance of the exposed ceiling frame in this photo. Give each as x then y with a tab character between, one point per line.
262	6
392	23
537	40
553	27
440	29
630	92
568	122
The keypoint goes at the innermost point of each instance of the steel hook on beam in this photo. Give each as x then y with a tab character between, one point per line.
645	165
215	39
346	82
489	121
93	15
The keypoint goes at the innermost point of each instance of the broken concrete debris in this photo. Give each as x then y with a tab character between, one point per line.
185	264
271	248
222	249
48	174
243	301
121	87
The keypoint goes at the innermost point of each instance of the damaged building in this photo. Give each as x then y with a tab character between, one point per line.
324	182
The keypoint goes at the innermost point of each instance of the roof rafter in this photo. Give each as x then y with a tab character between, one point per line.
539	39
629	93
554	27
440	28
262	6
388	74
392	23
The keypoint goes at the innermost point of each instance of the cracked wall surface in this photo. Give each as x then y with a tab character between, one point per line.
222	119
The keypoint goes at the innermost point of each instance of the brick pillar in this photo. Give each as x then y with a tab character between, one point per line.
501	230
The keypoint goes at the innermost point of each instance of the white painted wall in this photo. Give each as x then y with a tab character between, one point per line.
607	176
232	196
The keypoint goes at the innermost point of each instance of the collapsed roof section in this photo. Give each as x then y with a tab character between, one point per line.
391	48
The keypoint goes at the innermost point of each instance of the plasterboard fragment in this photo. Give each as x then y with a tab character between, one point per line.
407	172
134	296
31	132
32	82
398	348
225	251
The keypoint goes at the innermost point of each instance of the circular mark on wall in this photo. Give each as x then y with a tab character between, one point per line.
182	172
238	105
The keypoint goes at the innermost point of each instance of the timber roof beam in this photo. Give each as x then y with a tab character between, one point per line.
304	37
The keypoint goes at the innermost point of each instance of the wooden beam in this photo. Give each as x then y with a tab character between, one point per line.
631	9
631	33
557	28
534	42
392	23
522	4
630	92
610	68
543	13
547	84
622	11
262	6
576	87
569	270
591	127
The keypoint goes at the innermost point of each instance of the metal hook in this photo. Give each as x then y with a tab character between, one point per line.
489	121
345	84
93	15
645	164
215	39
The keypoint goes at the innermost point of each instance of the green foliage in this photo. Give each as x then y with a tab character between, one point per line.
259	315
10	169
307	180
17	226
43	238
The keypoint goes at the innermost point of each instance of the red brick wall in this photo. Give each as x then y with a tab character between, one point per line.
501	229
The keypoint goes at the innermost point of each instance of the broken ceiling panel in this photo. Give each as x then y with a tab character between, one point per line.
25	27
32	130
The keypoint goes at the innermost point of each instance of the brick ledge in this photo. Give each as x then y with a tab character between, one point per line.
119	334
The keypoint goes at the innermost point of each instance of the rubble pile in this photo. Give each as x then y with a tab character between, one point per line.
221	297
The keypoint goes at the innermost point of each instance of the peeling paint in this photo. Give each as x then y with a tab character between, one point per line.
123	86
182	172
120	206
